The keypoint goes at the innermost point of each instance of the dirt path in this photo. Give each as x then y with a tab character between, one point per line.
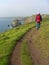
15	57
35	53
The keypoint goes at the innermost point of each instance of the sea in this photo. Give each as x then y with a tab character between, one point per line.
4	22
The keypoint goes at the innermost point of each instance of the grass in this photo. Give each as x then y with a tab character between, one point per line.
41	42
25	55
9	39
41	39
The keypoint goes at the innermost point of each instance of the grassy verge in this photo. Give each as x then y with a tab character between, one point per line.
41	40
25	56
8	41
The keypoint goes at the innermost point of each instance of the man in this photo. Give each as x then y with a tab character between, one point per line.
38	20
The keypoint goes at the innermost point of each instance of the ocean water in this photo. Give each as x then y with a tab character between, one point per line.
4	22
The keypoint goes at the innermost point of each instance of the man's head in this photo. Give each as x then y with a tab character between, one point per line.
38	13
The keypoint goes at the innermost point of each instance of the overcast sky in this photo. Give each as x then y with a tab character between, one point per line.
23	7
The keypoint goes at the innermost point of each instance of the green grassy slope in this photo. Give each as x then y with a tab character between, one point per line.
41	39
8	40
41	42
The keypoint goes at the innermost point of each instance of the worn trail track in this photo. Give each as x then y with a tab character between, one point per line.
15	57
35	53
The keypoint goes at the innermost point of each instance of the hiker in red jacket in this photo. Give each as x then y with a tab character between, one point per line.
38	20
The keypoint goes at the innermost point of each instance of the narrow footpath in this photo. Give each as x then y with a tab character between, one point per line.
35	53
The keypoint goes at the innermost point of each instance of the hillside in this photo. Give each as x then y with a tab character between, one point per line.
9	39
32	18
24	45
33	48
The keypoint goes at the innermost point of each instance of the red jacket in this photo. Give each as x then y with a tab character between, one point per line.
38	18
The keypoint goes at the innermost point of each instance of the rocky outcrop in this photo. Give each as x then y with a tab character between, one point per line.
15	23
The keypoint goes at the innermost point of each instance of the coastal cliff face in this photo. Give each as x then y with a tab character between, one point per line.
32	18
25	20
29	19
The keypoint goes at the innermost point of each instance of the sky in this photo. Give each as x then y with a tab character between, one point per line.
17	8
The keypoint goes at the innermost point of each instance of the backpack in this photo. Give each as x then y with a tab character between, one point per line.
38	18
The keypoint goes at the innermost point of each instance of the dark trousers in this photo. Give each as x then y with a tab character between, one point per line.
37	25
